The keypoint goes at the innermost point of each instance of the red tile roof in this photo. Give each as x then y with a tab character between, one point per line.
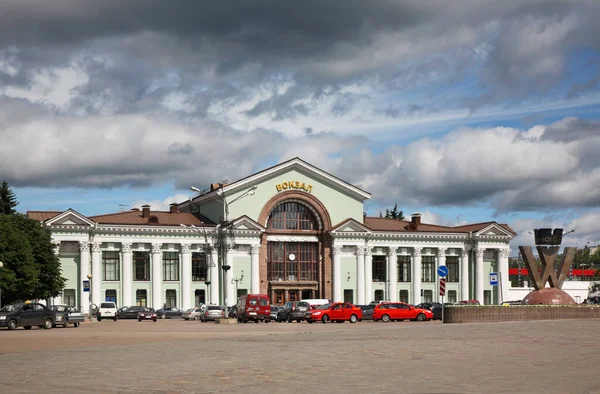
383	224
42	216
162	219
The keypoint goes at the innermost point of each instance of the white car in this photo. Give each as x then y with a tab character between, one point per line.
107	310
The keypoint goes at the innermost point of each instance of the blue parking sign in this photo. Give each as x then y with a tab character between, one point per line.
493	278
86	285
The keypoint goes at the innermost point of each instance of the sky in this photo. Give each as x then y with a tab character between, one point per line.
463	111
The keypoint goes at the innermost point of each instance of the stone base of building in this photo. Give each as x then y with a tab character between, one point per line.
226	321
489	314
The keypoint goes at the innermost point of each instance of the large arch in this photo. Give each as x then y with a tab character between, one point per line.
310	200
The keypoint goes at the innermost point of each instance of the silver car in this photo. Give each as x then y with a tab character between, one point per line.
213	312
193	313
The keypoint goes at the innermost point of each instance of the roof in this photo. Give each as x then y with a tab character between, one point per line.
42	216
385	224
164	218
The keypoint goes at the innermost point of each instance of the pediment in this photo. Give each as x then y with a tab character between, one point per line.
247	224
70	217
494	229
350	226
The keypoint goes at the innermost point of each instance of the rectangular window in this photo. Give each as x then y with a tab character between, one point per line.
199	267
428	269
403	296
487	297
141	266
378	295
170	266
111	295
427	296
69	297
279	297
292	261
452	264
349	296
200	297
110	265
451	295
171	298
404	269
379	269
141	297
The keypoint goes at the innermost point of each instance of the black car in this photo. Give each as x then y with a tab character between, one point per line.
293	310
437	310
27	315
434	307
169	312
129	312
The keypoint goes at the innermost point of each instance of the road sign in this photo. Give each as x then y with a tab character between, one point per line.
493	278
442	271
442	287
86	285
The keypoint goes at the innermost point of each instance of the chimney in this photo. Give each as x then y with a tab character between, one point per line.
145	211
215	186
173	208
364	217
135	209
415	221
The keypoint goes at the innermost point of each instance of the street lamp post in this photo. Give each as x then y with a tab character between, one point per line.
89	276
241	278
1	265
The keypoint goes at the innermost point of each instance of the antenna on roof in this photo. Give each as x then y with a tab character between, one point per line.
122	207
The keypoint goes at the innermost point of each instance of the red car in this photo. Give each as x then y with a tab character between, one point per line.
338	312
389	311
147	314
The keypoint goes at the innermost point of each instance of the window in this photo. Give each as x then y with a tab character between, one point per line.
292	216
111	296
200	297
403	296
378	295
427	296
292	295
303	266
452	264
171	298
69	297
487	297
428	269
379	268
349	295
199	267
141	266
451	295
404	269
110	265
279	297
170	266
141	297
241	292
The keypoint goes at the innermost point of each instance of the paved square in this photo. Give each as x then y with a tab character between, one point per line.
174	356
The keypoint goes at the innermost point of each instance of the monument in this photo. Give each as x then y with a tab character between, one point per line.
548	243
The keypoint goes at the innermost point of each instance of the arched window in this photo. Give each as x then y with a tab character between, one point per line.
292	216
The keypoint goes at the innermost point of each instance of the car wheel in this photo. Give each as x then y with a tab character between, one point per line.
256	321
48	324
116	318
75	325
353	319
196	317
298	320
267	320
375	320
163	316
289	319
26	327
309	321
12	325
421	317
385	318
99	318
139	319
154	320
325	319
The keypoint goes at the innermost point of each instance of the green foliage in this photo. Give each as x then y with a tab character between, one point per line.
8	200
31	268
393	213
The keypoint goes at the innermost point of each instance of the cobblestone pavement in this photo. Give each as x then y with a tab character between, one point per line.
175	356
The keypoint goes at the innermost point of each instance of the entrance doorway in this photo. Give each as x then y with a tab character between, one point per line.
307	295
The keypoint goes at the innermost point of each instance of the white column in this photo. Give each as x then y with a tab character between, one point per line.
231	298
503	271
368	275
360	274
186	276
336	274
157	297
479	275
59	299
416	277
254	269
464	275
214	275
127	274
441	260
393	274
84	270
96	274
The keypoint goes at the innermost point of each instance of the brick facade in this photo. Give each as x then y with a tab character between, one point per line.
488	314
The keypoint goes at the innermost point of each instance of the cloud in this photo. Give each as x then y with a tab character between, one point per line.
161	205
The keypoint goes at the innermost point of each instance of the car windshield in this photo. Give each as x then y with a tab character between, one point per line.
58	308
274	308
215	308
11	308
326	306
107	305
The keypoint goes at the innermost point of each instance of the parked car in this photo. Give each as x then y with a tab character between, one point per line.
367	311
129	312
169	312
293	310
256	307
512	303
274	310
27	315
337	312
391	311
66	315
316	302
193	313
469	302
434	307
107	310
437	310
147	314
213	312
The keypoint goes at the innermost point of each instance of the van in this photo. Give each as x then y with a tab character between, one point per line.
108	310
314	303
255	307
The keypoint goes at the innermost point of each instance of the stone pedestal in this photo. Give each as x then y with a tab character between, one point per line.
548	296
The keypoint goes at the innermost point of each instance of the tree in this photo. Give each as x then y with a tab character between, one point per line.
8	200
393	213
